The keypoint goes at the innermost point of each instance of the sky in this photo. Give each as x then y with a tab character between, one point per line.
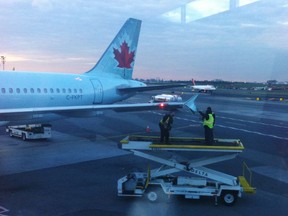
179	39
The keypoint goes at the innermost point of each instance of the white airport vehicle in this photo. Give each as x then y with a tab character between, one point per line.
200	181
34	131
165	98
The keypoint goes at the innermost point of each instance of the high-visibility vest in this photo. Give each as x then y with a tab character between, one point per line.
165	123
210	122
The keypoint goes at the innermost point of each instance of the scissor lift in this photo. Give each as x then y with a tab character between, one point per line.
202	182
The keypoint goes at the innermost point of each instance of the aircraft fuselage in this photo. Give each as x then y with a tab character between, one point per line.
36	90
59	89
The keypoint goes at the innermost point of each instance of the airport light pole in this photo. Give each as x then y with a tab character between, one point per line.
3	62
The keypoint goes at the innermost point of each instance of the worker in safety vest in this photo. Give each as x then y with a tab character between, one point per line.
208	123
165	125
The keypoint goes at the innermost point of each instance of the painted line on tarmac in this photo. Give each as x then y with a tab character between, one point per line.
253	122
272	172
3	210
265	159
239	129
254	132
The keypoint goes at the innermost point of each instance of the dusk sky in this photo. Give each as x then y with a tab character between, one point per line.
206	41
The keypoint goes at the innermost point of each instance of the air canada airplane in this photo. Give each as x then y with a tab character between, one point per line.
31	97
202	88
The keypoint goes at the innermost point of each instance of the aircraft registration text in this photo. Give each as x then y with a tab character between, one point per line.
74	97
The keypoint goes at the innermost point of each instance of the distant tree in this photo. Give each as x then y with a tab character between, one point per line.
271	82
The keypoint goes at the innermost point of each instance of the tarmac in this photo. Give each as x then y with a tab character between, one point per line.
76	171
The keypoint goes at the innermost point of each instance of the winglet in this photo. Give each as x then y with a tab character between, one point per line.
191	103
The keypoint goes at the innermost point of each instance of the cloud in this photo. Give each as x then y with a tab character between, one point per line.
43	5
72	35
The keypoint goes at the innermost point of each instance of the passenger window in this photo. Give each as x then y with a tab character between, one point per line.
80	90
38	90
10	90
75	90
69	90
58	90
25	90
31	90
51	90
3	90
45	90
63	90
18	90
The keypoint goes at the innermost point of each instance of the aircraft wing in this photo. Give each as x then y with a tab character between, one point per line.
148	88
27	113
23	114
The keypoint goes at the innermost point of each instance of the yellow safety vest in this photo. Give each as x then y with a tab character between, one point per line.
210	122
165	123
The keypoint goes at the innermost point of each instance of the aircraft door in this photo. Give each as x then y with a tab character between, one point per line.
98	91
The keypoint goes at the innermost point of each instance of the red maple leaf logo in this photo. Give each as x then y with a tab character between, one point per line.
124	58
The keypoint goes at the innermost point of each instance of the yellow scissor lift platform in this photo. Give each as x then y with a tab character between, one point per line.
181	144
210	183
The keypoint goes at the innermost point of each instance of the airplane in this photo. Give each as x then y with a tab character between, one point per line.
202	88
37	97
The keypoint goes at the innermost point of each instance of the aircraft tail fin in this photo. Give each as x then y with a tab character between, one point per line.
119	57
193	82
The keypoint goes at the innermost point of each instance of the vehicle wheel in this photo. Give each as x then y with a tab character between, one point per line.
24	137
152	196
155	193
229	197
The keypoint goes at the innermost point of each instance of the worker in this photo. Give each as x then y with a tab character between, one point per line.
208	123
165	125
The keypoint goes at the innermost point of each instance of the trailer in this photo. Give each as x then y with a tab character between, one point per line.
198	180
32	131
